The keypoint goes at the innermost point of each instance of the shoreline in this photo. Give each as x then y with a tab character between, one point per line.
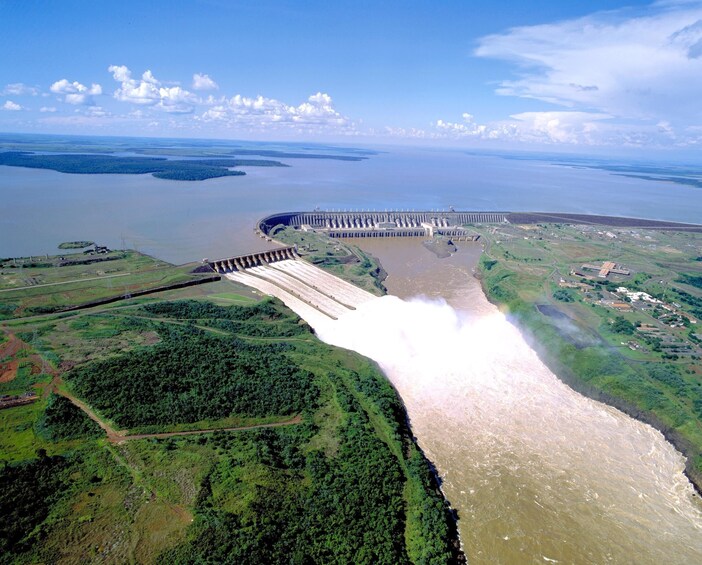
458	553
566	376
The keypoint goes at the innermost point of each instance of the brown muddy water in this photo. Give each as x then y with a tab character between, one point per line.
537	472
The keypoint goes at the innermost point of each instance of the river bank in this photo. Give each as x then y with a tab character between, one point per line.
570	378
569	320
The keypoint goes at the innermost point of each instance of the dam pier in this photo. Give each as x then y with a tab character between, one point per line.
382	224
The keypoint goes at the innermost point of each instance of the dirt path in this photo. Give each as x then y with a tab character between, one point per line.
112	434
291	422
119	436
11	346
8	369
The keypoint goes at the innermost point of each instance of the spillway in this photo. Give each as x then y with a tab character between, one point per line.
307	312
329	284
315	295
321	301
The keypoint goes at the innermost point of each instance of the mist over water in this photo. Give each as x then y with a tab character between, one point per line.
537	472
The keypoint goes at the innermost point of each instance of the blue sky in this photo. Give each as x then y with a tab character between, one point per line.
475	74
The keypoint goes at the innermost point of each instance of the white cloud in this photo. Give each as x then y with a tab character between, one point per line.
19	89
144	91
559	127
467	127
11	106
564	127
176	100
629	65
203	82
316	114
149	92
76	93
97	112
49	109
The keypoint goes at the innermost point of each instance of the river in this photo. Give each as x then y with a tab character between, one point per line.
537	472
187	221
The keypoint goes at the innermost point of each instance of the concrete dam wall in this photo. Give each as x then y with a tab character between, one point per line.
383	224
250	260
399	223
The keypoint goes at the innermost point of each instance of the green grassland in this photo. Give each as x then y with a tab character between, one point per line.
340	481
40	285
345	261
642	357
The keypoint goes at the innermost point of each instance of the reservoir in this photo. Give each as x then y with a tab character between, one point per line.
188	221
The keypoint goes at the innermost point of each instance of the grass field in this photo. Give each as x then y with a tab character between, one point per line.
642	355
40	285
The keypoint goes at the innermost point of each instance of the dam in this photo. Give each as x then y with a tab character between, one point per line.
537	472
382	224
450	223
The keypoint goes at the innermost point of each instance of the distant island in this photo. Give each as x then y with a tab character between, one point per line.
679	174
213	148
190	170
75	244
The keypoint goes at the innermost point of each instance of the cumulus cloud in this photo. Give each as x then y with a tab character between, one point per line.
316	113
203	82
149	91
76	93
467	127
559	127
19	89
147	98
641	66
11	106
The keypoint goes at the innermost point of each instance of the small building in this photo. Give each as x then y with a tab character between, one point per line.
607	268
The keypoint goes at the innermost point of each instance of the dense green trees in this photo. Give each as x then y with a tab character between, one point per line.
27	492
192	376
346	485
63	420
345	508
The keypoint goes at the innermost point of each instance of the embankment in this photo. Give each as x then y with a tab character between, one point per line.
554	353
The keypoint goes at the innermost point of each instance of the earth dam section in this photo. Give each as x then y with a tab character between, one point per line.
537	472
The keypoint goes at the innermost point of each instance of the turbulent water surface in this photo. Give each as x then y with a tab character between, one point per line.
537	472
